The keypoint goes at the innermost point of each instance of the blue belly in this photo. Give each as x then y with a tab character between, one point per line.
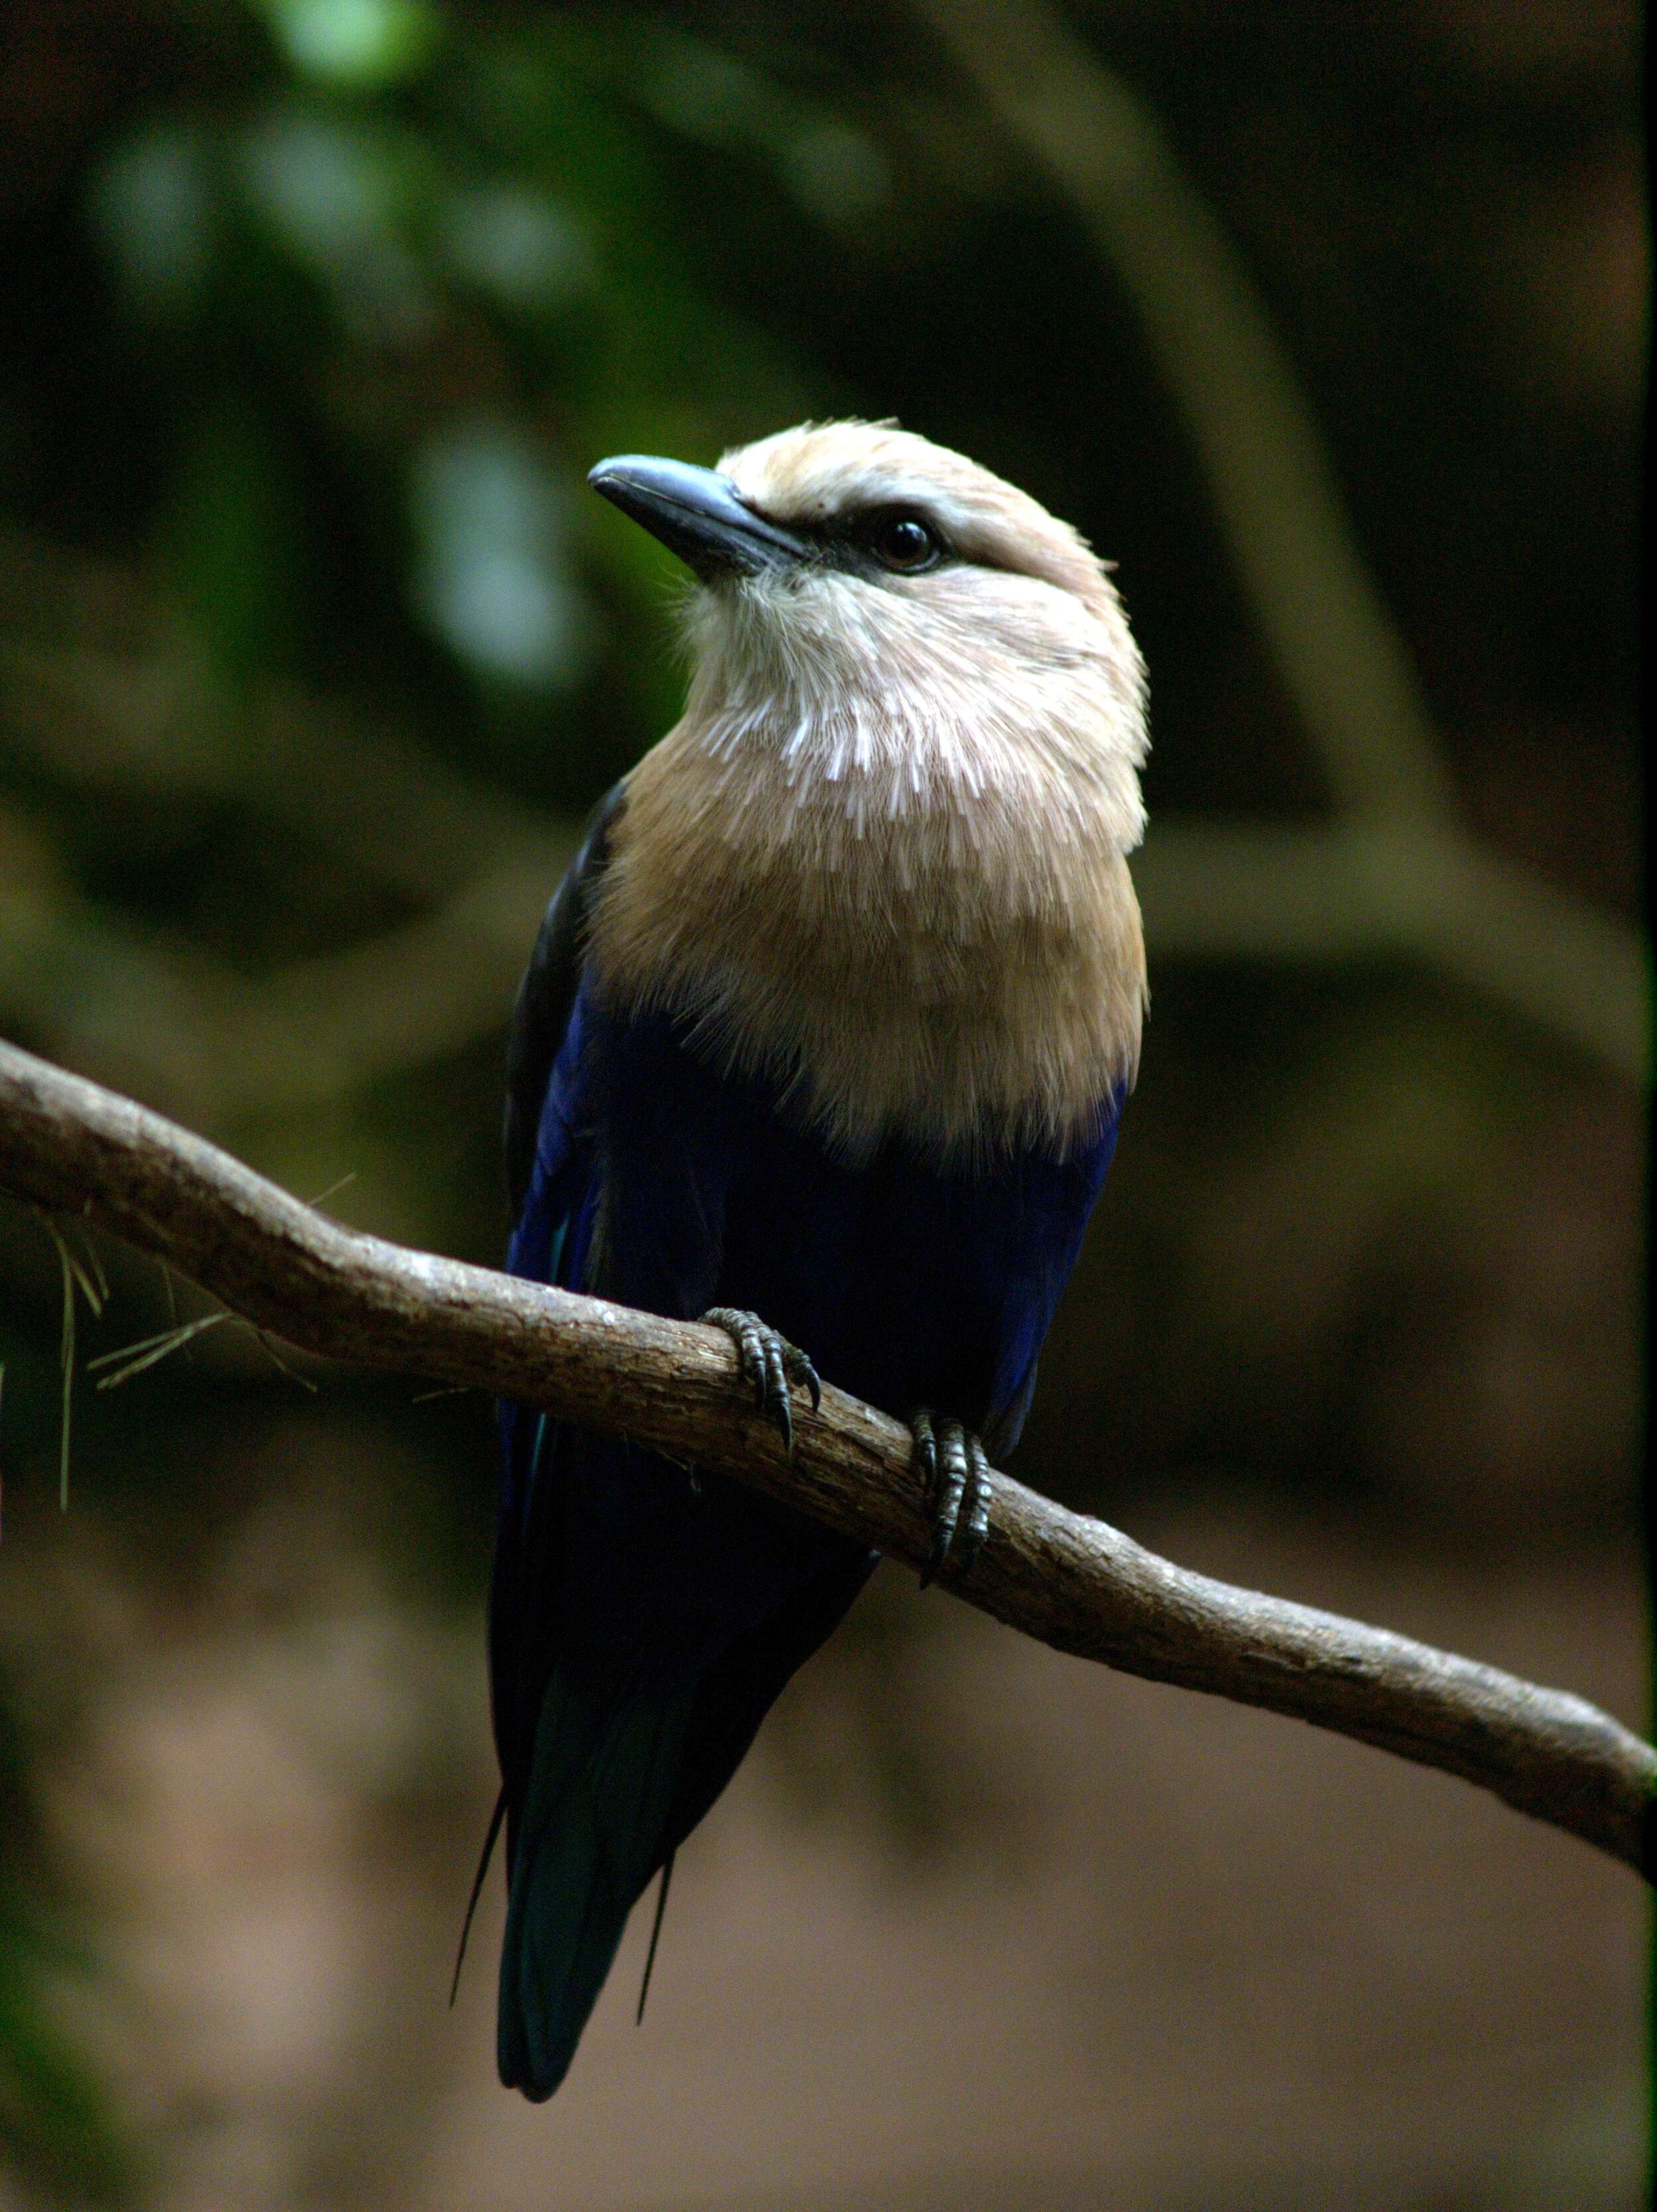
662	1184
908	1283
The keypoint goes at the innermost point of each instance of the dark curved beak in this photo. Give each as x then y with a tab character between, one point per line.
698	514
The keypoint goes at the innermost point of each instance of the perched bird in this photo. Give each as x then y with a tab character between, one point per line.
824	1040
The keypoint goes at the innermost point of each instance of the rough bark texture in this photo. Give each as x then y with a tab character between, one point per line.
1076	1584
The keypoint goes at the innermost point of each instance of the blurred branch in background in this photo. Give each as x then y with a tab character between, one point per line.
189	1028
1372	887
105	696
1073	1582
144	717
1399	874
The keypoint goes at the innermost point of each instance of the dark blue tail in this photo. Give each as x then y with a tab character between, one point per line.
593	1831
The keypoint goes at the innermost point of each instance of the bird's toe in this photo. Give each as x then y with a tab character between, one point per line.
770	1364
798	1368
975	1524
956	1486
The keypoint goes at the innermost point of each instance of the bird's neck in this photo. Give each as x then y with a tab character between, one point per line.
920	928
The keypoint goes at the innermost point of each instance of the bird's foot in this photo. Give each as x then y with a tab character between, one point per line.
956	1476
769	1364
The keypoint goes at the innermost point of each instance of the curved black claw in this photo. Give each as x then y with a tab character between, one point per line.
957	1478
769	1364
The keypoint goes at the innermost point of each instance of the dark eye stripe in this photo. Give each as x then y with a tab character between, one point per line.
877	541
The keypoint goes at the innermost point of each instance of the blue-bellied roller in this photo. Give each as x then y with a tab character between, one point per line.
824	1040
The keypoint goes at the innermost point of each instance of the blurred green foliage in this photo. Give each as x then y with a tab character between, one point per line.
379	299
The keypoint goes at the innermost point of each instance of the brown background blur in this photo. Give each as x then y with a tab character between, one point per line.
313	315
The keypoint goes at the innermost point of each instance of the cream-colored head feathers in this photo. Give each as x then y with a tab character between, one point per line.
881	857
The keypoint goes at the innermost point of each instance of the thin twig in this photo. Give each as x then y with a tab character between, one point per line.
66	1362
96	1266
279	1363
76	1276
1075	1583
151	1349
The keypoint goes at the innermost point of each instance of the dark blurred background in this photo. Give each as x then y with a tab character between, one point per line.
313	315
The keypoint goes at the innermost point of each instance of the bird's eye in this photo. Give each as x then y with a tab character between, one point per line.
903	542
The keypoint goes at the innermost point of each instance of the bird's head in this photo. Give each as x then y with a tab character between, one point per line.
873	607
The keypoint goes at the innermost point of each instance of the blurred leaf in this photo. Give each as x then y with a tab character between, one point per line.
492	577
235	535
154	206
339	196
518	246
360	43
835	169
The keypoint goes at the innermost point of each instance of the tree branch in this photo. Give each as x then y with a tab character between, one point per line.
1363	888
1075	1583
